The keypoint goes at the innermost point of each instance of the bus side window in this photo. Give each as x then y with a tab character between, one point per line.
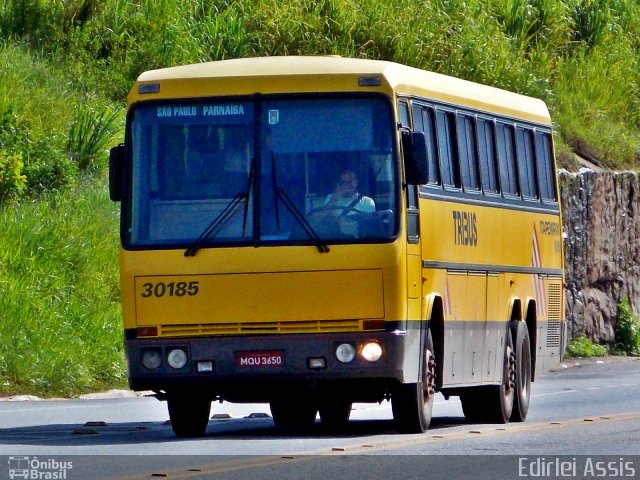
507	159
428	118
526	170
449	165
468	151
423	121
487	153
418	125
403	113
544	165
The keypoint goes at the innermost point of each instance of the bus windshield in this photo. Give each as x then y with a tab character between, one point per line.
283	171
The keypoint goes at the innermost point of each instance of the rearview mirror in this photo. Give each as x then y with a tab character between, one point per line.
416	167
116	168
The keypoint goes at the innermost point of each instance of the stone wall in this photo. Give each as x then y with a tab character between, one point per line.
601	218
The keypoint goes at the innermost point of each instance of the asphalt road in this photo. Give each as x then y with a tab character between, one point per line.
578	415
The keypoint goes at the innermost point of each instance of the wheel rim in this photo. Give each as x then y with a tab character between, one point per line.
429	383
525	370
510	380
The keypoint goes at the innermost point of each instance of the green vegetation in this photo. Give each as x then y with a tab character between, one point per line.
44	126
60	306
583	347
627	330
66	66
627	337
581	56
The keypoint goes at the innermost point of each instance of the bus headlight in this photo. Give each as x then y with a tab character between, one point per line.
345	352
177	358
151	359
371	351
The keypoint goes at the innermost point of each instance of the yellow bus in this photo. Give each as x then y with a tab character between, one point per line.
310	232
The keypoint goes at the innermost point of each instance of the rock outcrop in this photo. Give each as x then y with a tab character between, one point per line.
601	219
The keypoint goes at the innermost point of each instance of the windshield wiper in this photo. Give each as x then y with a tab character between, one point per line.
225	214
281	195
209	232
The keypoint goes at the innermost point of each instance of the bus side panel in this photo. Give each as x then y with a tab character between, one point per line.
489	260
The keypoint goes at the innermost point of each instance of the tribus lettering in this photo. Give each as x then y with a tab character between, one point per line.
465	229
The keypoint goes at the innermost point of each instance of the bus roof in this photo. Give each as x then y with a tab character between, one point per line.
400	79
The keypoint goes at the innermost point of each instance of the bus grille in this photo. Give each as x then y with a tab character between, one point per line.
554	294
261	328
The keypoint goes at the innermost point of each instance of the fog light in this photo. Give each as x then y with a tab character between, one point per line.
317	363
177	358
371	351
345	353
151	359
204	367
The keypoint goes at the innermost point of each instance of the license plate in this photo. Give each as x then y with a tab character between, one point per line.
264	359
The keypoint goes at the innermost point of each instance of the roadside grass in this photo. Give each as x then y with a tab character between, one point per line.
596	103
56	130
584	348
627	330
60	331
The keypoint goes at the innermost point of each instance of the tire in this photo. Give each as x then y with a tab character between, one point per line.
412	403
335	413
189	415
298	412
493	403
523	372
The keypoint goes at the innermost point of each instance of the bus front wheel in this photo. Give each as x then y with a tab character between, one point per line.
412	403
189	415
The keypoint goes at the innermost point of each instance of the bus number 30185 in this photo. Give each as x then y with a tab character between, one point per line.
172	289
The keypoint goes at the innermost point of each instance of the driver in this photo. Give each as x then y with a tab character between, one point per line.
345	199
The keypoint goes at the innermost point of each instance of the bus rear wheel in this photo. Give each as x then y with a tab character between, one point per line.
189	415
493	403
412	403
522	373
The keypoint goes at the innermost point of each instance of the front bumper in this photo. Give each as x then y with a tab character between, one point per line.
232	380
